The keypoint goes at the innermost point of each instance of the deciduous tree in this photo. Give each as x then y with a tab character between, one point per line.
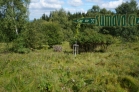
14	15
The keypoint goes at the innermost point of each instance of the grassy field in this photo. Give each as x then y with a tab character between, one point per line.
116	70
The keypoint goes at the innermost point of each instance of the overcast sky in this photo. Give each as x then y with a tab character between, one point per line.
39	7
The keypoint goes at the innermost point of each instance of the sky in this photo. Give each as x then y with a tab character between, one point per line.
39	7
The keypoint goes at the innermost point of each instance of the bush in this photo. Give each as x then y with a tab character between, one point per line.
128	34
19	45
53	33
34	39
90	40
28	40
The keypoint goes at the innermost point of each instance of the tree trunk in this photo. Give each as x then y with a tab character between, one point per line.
16	30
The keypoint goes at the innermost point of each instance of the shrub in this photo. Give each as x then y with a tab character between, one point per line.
19	45
89	41
28	40
52	33
34	39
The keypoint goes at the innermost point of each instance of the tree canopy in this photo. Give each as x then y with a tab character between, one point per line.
14	15
58	26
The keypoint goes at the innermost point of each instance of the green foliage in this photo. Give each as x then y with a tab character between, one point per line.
46	71
53	33
127	8
94	9
130	83
7	30
13	18
29	39
89	40
34	39
58	27
39	33
62	17
1	36
45	86
128	34
19	45
45	17
113	71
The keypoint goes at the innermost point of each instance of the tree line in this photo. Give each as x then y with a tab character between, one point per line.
16	28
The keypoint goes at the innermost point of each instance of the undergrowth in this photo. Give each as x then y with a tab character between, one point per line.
116	70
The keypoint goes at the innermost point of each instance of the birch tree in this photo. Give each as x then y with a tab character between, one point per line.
13	16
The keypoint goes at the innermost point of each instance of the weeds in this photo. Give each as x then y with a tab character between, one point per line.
47	71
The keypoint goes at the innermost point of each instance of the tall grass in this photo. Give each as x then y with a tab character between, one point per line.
116	70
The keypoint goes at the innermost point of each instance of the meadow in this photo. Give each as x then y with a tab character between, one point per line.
116	70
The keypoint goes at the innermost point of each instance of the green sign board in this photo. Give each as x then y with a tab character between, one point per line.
110	20
85	20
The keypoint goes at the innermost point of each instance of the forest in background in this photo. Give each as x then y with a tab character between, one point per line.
58	27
